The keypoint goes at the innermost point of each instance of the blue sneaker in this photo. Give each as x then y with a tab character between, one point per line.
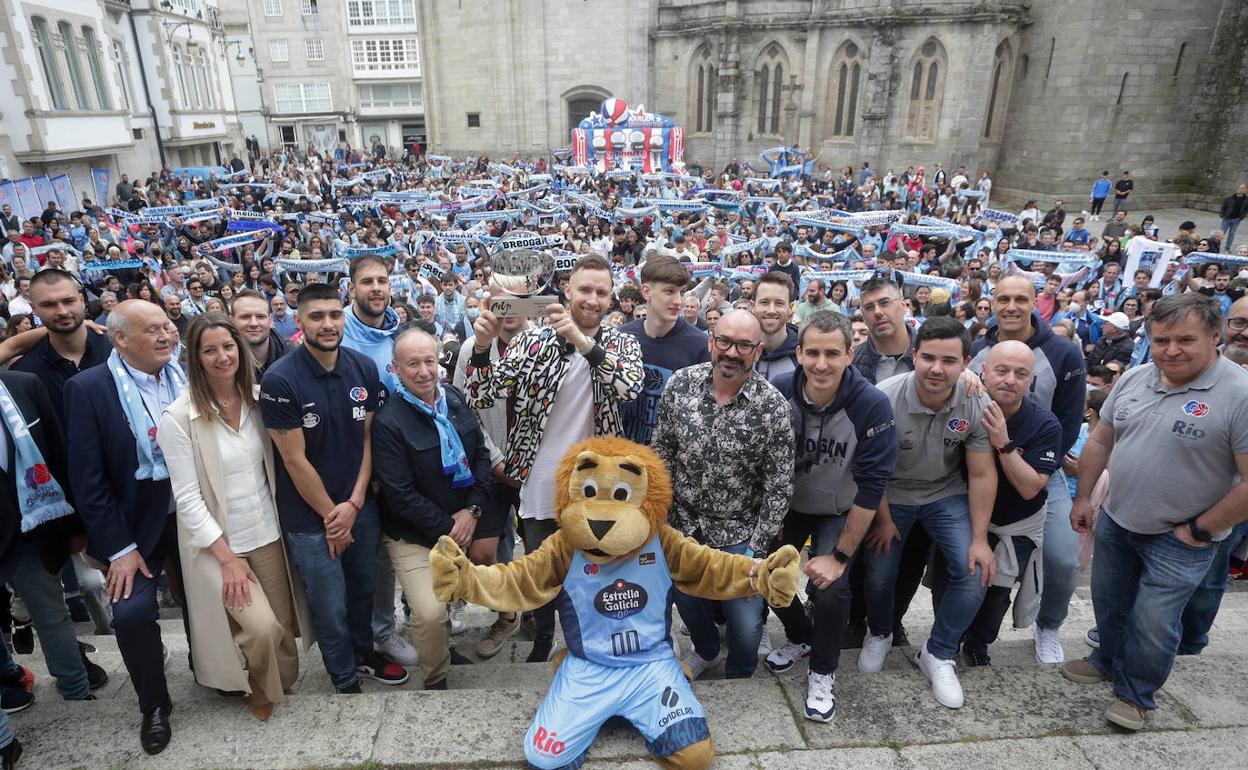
820	697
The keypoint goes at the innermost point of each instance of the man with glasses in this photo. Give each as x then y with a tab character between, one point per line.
727	437
194	304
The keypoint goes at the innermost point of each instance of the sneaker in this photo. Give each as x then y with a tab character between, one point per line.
1126	715
15	699
764	644
1048	646
820	697
371	665
696	663
1083	672
457	617
501	631
352	689
1093	637
974	658
396	649
945	685
783	657
25	679
874	651
541	650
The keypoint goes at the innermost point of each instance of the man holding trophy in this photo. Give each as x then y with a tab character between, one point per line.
567	380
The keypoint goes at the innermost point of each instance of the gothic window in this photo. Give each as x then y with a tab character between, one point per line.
702	91
927	90
846	80
47	61
769	81
98	79
69	47
999	91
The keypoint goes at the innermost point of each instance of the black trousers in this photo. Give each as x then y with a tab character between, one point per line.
534	532
986	626
909	576
1097	205
827	634
135	622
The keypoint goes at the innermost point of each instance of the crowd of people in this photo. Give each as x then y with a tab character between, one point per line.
268	393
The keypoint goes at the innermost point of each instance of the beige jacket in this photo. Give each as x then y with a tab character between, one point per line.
198	479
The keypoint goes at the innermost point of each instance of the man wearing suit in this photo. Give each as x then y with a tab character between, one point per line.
122	490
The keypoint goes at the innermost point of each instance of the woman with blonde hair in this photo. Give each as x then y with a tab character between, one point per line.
237	578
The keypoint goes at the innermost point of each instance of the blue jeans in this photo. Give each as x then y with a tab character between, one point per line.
383	595
45	599
1140	584
1202	608
1229	226
7	667
948	521
745	626
340	592
1061	555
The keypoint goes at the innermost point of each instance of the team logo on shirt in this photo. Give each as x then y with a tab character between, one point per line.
359	394
591	569
958	426
620	600
311	420
646	559
1196	408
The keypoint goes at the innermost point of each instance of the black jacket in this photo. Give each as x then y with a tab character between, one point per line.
1235	206
278	347
867	359
1107	350
52	539
416	496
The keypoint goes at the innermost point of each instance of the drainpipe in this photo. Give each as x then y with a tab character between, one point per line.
147	91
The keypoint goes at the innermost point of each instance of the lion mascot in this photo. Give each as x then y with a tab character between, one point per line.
613	566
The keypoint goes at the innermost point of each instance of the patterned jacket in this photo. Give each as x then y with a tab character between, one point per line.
531	372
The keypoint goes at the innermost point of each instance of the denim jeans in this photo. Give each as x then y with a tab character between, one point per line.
1202	608
1061	555
340	591
45	599
1140	584
986	626
1229	226
831	604
948	521
745	626
382	621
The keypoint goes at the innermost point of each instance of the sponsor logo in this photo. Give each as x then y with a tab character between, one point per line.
591	569
958	426
646	559
620	600
359	394
669	697
311	420
670	700
36	475
1187	430
545	742
1196	408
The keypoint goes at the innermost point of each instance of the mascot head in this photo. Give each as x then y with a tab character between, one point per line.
611	495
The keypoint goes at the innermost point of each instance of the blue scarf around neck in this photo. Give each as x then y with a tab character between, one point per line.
39	496
454	460
142	424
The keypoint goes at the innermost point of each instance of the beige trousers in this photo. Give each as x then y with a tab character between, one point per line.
266	629
430	633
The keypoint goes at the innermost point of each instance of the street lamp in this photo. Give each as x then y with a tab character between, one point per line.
790	110
192	47
240	58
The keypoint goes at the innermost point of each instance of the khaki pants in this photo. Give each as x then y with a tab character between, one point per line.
266	629
430	634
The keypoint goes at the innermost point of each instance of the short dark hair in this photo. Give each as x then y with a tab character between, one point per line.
877	283
316	292
1170	309
943	328
53	275
667	270
827	321
779	278
784	246
1102	371
368	259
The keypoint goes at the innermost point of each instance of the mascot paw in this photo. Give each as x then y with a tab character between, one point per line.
777	576
450	567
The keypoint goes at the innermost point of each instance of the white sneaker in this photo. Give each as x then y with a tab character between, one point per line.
764	644
696	663
945	685
397	649
457	617
783	657
874	651
1048	646
820	696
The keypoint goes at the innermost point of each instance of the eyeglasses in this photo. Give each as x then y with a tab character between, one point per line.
882	305
1237	324
744	347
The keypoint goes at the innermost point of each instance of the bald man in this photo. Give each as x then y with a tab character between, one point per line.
1027	439
1058	385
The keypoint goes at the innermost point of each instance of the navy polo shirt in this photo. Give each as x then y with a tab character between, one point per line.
1037	432
330	408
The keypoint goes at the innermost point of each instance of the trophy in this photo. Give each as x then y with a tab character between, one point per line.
518	277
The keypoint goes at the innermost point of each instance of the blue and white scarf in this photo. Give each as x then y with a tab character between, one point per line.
39	496
454	460
142	423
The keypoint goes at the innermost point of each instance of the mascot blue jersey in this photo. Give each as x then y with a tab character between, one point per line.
618	614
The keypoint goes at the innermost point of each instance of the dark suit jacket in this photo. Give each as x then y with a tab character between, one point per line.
116	508
41	419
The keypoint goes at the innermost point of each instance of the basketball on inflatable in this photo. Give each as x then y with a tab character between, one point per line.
613	111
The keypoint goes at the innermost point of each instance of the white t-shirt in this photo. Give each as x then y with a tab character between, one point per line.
571	421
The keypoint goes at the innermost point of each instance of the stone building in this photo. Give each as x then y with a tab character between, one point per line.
1042	94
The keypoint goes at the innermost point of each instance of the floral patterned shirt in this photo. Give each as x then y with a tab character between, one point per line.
731	465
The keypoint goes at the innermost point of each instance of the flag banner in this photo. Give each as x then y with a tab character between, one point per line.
234	241
312	265
99	183
246	225
997	215
242	214
28	196
431	269
351	252
63	189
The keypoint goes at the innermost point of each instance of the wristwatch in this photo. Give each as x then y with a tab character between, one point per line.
1005	450
1202	535
475	510
840	556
